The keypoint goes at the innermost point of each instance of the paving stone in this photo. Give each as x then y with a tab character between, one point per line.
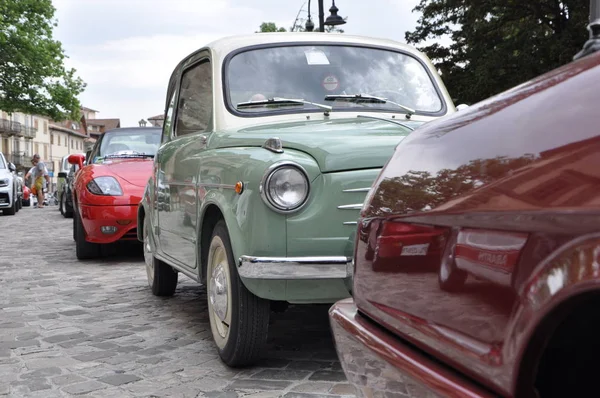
313	387
325	375
44	372
258	385
343	389
94	355
67	379
276	374
84	387
117	380
308	395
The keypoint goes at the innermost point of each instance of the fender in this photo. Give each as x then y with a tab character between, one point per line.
573	270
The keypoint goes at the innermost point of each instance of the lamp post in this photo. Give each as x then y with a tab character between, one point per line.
142	123
332	20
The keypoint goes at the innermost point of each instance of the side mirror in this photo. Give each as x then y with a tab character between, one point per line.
77	159
461	107
12	167
62	174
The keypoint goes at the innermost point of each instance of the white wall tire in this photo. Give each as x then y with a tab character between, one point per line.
239	320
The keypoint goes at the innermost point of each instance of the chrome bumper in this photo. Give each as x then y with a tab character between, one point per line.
328	267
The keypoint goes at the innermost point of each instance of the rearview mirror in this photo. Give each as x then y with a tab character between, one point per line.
76	159
12	167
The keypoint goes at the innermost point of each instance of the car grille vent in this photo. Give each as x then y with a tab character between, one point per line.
353	206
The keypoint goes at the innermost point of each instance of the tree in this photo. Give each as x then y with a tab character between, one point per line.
33	78
497	44
269	27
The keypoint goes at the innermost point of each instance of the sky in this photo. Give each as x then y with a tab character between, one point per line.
125	50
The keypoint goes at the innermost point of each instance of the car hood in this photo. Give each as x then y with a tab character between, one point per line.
336	145
134	171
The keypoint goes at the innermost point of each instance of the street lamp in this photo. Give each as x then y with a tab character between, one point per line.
332	19
142	123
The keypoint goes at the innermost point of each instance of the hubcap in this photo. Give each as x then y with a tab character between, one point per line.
148	257
219	292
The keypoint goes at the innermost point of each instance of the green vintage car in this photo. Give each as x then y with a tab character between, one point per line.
270	144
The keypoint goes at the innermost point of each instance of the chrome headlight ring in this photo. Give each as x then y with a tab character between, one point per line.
267	179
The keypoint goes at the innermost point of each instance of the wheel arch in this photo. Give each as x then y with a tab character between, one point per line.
210	216
562	283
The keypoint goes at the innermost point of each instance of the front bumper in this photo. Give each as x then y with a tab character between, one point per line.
6	198
379	365
123	218
295	268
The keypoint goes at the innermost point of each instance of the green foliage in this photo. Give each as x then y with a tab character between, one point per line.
269	27
497	44
33	78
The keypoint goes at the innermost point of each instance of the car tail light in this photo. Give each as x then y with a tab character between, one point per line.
403	245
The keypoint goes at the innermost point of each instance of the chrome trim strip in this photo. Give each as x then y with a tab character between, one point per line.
387	120
288	268
357	190
193	184
351	223
356	206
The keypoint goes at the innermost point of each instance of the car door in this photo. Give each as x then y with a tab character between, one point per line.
179	162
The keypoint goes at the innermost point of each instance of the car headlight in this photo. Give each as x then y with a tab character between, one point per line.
4	182
107	186
285	187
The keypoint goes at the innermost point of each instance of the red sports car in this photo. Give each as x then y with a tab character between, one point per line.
107	190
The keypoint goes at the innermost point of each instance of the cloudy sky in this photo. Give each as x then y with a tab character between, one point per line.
125	50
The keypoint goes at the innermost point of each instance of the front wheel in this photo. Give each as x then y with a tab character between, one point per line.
162	279
13	209
84	249
239	320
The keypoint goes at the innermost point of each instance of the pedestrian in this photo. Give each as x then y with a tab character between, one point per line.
38	174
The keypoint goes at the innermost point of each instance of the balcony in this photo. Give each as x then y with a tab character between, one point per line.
19	159
4	126
16	129
29	132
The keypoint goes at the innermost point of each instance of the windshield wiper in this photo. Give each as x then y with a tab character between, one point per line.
371	99
282	102
129	155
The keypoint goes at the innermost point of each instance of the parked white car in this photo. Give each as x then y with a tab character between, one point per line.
8	188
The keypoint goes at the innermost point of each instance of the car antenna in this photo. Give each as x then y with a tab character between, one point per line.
593	44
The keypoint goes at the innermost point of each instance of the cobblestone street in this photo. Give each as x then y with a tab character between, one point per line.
72	328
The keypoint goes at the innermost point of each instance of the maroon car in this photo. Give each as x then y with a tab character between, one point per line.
477	261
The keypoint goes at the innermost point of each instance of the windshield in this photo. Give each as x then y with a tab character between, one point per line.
129	143
313	72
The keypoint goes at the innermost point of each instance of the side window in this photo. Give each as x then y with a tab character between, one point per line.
168	123
194	108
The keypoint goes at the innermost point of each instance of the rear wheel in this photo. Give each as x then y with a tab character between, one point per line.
162	279
61	205
68	207
84	249
239	320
